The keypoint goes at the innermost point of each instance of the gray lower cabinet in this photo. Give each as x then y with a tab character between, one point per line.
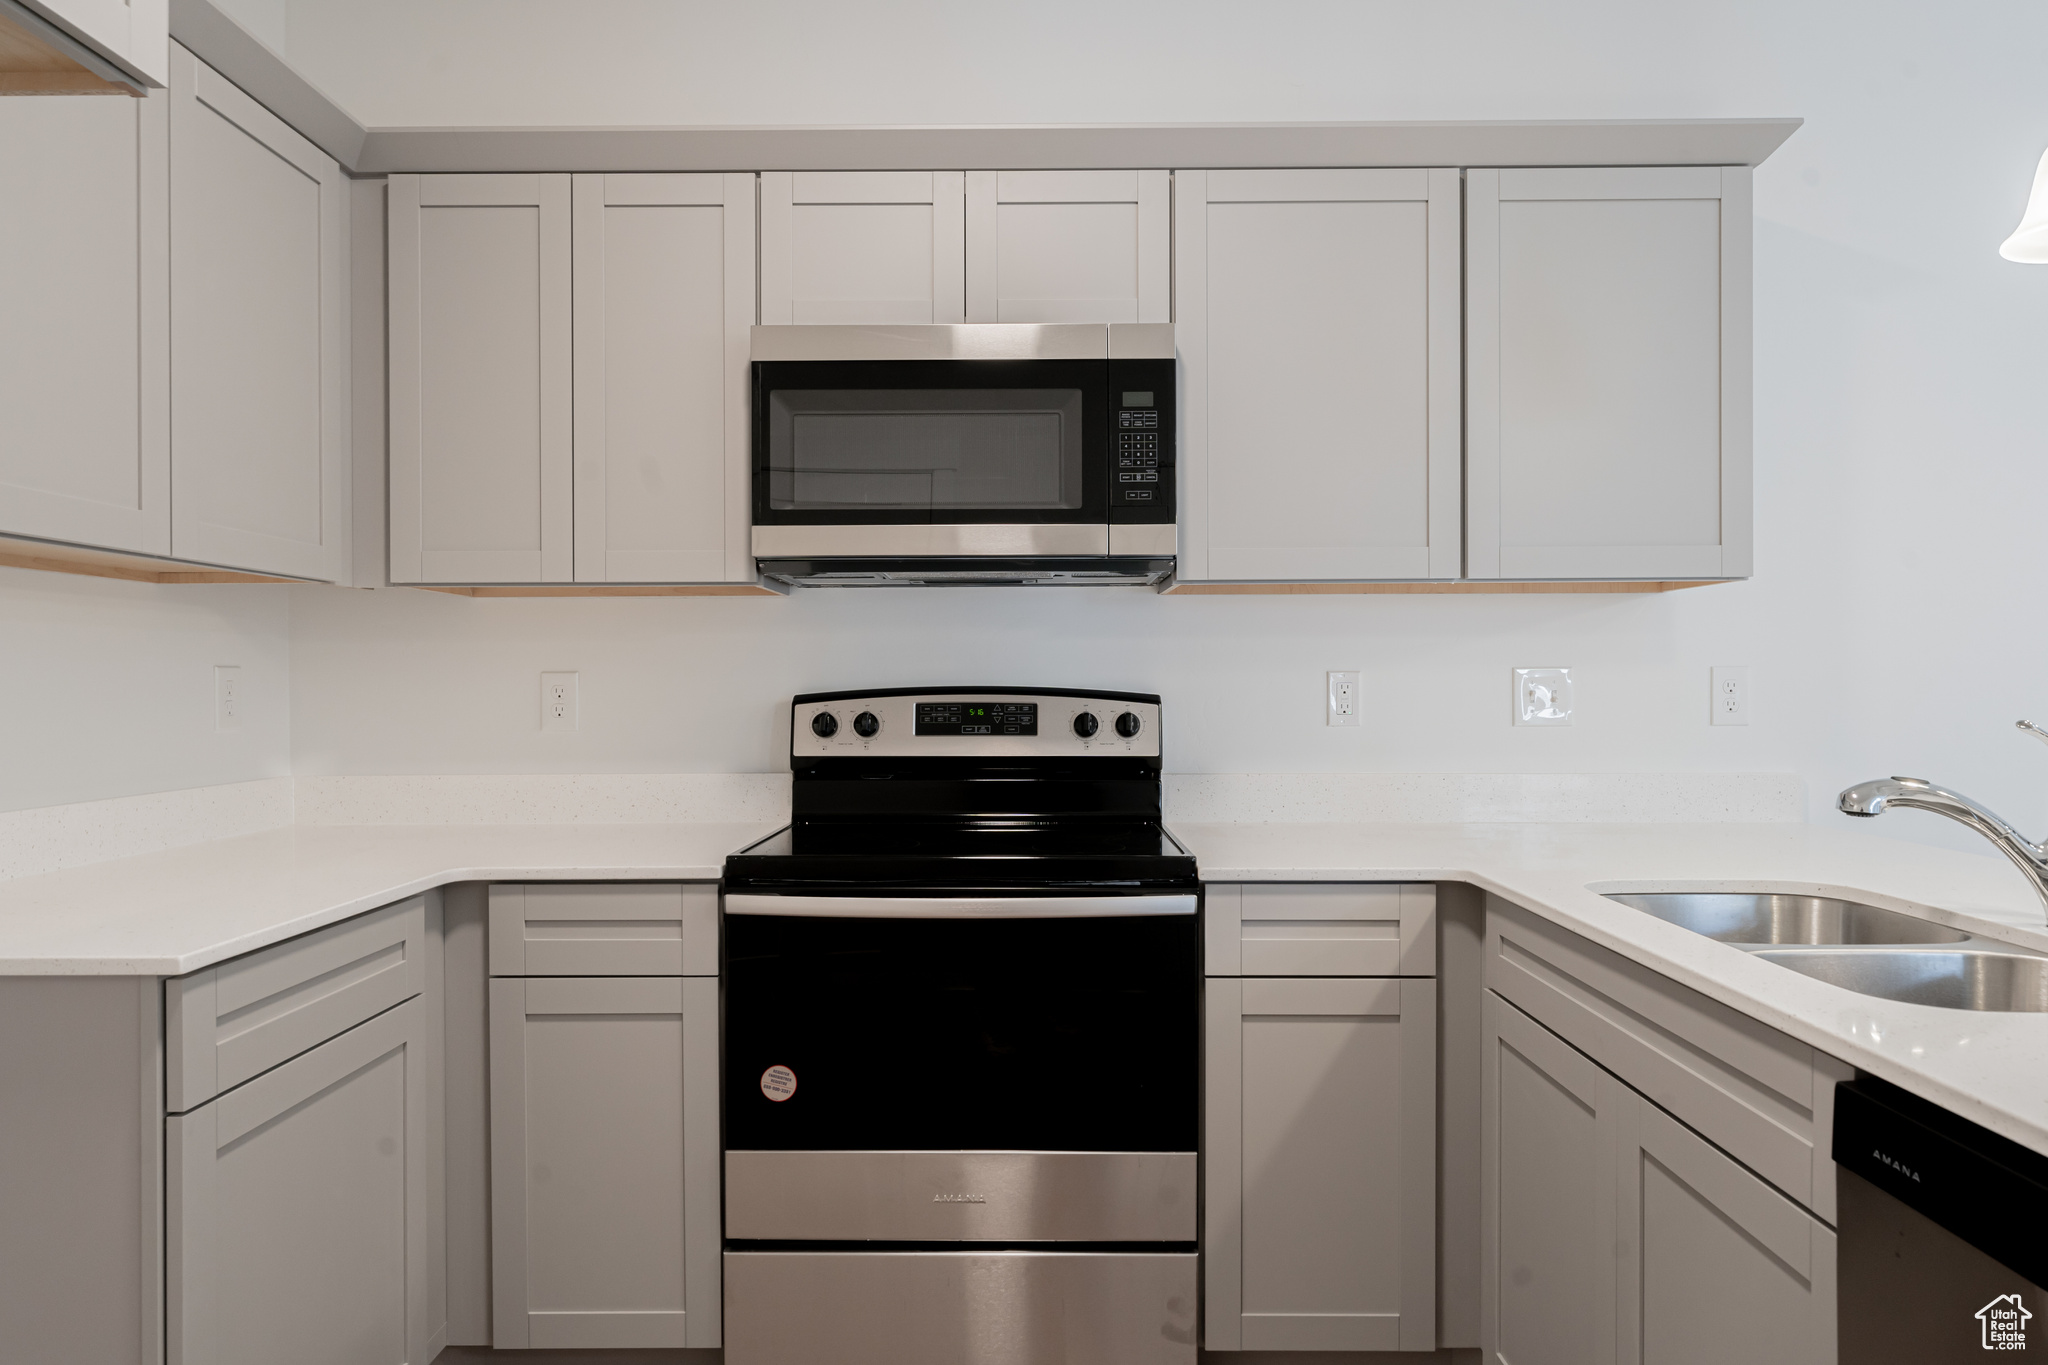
1320	1184
604	1161
298	1208
1614	1234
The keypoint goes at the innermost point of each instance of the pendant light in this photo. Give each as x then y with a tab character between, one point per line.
2029	241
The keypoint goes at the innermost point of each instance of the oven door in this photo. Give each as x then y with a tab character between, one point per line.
910	457
920	1070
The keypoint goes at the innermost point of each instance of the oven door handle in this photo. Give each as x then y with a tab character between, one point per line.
960	907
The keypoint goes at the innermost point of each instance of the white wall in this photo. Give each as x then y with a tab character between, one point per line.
1901	486
108	686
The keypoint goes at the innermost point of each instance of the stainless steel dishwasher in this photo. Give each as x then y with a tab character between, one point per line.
1943	1236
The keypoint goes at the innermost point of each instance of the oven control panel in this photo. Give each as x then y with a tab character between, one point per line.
968	724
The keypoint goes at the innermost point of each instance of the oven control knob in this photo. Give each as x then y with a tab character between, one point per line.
865	725
1128	724
824	725
1085	724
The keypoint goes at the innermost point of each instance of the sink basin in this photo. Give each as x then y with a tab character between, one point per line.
1949	978
1744	917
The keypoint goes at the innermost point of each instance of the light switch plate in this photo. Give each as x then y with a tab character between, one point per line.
1543	696
1344	698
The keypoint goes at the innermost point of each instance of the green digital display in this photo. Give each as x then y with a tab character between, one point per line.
977	718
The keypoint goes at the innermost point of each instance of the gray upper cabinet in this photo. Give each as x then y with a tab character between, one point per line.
259	336
480	388
664	300
862	246
1608	373
568	386
133	34
85	291
1317	322
1069	246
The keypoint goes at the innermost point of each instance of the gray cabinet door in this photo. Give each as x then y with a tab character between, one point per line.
480	391
664	298
1320	1184
298	1209
1608	372
863	246
1069	246
85	292
1714	1264
604	1162
1550	1131
1614	1234
1317	323
259	336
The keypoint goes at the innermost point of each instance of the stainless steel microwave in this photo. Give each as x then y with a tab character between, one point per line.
974	453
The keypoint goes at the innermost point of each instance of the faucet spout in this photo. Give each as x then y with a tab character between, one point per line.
1917	793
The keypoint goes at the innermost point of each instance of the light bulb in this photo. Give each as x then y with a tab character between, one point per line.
2029	241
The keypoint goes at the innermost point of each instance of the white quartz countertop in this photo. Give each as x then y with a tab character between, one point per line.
1991	1068
165	914
172	912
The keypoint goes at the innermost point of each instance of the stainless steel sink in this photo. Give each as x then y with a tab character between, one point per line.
1742	917
1950	978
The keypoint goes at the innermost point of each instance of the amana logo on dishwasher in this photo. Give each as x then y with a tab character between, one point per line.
959	1199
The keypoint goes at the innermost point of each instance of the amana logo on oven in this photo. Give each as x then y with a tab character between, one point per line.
959	1199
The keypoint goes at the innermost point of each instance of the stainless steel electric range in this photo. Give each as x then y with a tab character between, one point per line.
962	1041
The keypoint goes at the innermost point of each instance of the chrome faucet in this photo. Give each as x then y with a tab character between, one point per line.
1917	793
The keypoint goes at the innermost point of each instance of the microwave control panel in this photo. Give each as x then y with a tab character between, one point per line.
1141	482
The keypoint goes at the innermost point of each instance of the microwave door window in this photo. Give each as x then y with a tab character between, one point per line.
927	450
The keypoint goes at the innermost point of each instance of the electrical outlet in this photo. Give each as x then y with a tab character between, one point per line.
227	697
557	701
1543	696
1344	698
1731	696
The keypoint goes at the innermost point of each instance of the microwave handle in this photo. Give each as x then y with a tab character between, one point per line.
960	907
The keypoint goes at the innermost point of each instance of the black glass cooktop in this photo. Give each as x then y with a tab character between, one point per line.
957	853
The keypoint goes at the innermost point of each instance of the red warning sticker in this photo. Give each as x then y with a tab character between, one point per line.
778	1083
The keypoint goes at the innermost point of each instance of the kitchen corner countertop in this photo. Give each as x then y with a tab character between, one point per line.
1991	1068
169	913
173	912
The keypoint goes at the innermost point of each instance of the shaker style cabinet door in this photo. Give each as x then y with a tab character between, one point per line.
259	336
862	246
1550	1137
1608	372
605	1222
480	388
85	298
1069	246
1614	1234
1320	1178
298	1209
1317	322
664	298
1699	1236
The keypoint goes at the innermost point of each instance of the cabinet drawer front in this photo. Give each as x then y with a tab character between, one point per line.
229	1023
604	929
1763	1097
1321	929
